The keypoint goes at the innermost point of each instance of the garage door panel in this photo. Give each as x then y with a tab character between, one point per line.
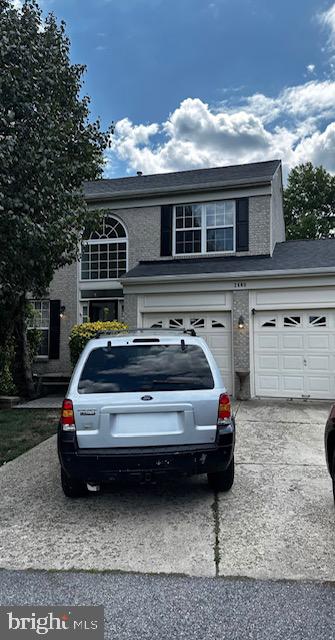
319	384
318	363
269	383
291	341
218	341
319	342
264	342
296	349
268	362
295	362
293	384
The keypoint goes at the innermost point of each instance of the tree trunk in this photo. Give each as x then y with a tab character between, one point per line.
26	383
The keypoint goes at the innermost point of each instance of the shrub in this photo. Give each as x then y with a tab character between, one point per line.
34	335
82	333
7	357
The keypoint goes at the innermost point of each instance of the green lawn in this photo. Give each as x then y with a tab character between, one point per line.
22	429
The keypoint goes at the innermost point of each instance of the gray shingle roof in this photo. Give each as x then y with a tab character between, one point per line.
257	172
291	255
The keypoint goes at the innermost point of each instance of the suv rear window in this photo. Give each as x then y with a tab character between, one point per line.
161	367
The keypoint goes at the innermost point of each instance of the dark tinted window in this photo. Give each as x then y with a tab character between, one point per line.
145	368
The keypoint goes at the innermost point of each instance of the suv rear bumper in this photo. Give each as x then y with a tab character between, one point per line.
145	463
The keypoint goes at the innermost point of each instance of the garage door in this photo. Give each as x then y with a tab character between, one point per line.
295	354
215	328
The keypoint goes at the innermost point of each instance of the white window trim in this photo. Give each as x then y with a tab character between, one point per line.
203	230
106	241
42	328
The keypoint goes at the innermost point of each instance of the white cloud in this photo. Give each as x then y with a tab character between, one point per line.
196	135
296	125
313	99
327	18
318	148
193	136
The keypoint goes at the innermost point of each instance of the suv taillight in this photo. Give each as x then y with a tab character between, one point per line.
67	416
224	412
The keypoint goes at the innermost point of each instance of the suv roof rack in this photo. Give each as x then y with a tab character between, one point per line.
154	330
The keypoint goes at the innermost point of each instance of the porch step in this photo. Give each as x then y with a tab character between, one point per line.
56	383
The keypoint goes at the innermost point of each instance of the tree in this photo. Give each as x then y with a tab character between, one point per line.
48	148
309	203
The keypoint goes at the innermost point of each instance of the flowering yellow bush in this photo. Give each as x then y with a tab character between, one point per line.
82	333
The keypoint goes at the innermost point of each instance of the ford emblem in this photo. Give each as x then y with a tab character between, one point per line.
147	398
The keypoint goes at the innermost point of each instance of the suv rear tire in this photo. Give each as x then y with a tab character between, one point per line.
73	488
222	480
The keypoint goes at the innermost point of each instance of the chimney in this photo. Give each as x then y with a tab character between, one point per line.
139	173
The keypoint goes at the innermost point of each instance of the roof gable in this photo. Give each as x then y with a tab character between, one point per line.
241	174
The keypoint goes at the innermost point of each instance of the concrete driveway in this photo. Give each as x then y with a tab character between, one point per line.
277	522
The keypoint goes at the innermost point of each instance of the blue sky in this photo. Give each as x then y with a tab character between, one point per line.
195	83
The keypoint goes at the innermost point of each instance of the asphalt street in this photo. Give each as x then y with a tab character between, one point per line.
143	607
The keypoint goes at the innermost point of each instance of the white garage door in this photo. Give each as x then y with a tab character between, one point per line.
295	354
215	328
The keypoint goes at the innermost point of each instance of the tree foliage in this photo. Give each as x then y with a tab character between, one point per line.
309	203
48	148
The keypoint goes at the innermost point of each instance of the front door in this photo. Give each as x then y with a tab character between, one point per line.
103	310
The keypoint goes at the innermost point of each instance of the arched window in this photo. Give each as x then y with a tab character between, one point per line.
104	252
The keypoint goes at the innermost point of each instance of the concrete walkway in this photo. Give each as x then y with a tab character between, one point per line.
48	402
277	522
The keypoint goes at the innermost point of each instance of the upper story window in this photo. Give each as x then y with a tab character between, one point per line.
104	252
204	228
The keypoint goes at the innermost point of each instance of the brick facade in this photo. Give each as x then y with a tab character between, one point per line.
142	223
277	213
241	349
259	225
130	309
143	229
63	288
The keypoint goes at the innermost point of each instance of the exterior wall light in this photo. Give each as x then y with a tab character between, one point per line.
241	322
62	312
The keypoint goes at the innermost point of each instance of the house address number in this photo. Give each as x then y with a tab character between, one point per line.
239	285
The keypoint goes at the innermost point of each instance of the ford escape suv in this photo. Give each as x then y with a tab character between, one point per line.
145	404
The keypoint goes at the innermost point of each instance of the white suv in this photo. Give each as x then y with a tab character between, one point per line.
145	404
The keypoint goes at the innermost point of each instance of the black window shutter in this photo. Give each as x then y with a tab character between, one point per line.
242	224
54	329
166	229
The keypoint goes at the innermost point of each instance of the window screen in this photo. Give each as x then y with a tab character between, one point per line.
146	368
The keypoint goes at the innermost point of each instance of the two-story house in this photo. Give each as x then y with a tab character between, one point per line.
205	249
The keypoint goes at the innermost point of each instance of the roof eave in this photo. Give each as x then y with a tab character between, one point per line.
245	275
198	188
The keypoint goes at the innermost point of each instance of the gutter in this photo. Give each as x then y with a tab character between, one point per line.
128	195
232	275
